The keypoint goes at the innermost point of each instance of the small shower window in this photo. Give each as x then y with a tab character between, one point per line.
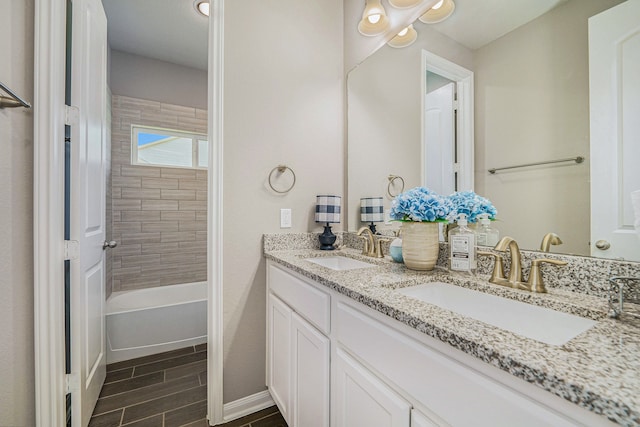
153	146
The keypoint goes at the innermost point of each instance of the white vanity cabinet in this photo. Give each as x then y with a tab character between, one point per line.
384	373
298	350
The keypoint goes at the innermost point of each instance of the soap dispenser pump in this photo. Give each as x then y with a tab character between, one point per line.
462	247
487	236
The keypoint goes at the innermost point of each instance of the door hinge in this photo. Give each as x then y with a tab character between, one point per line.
71	383
71	115
455	104
456	167
71	249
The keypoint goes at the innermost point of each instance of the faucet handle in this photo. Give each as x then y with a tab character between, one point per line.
535	275
379	253
497	276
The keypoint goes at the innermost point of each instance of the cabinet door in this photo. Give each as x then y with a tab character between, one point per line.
361	399
310	375
279	354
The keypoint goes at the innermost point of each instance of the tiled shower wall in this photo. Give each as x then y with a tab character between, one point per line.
159	214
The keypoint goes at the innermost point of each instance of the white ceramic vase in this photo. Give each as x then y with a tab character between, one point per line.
420	245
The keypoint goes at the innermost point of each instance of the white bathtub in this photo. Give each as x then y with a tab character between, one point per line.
154	320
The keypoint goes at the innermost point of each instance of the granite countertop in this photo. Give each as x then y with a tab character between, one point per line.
598	370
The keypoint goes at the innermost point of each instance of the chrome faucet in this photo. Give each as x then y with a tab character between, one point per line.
369	242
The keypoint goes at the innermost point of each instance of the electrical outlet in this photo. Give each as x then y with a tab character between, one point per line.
285	218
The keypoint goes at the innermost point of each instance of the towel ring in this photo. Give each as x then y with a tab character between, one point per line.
282	169
391	179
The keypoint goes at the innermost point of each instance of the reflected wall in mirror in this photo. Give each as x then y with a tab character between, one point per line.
531	91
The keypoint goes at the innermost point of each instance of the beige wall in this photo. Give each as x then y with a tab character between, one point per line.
159	214
384	116
141	77
283	97
16	219
532	104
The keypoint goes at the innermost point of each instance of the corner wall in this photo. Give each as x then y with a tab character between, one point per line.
17	382
283	104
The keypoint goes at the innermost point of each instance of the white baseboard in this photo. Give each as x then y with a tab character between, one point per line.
247	405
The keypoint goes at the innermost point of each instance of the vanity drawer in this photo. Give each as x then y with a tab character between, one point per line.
431	378
305	299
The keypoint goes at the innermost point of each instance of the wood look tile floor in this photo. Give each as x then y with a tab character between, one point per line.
165	390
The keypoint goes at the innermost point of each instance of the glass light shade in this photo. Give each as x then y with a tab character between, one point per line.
433	15
403	4
374	19
404	38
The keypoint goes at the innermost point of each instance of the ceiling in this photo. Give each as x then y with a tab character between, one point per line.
168	30
172	31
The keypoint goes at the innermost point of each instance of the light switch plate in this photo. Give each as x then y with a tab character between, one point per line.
285	218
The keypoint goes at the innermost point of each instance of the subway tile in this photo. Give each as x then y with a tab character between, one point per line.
201	216
160	205
160	248
134	238
139	215
148	393
174	279
159	119
117	274
126	227
141	193
182	259
178	110
180	173
198	246
160	365
115	171
168	183
140	260
180	236
193	184
160	226
130	103
202	174
178	194
178	216
125	112
140	171
126	205
201	235
193	226
201	195
116	193
194	125
133	383
164	404
126	181
202	114
199	205
186	414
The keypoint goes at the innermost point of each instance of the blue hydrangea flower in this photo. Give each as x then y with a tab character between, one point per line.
420	204
471	204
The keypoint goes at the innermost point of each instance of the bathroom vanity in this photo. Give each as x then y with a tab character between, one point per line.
346	347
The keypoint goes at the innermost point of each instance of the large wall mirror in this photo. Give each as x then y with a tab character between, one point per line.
531	104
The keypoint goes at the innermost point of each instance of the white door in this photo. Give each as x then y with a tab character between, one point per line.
87	212
279	354
614	98
361	399
310	375
439	144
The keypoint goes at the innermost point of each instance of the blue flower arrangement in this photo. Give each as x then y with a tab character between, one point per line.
471	204
420	205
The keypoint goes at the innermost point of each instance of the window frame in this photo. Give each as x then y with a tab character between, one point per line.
194	136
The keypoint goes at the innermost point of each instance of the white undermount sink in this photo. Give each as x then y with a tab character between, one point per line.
340	263
538	323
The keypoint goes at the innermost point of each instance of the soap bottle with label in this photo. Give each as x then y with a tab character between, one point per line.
487	236
462	247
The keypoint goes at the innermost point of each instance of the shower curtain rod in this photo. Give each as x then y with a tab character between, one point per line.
13	100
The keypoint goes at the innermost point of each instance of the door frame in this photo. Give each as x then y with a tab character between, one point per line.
464	125
48	212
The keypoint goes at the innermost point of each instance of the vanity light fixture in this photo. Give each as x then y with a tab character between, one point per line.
439	12
404	4
372	210
374	19
404	38
202	7
327	212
